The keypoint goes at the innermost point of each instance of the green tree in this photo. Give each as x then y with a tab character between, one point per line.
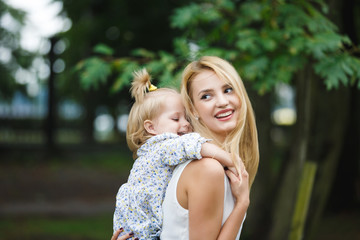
269	42
120	26
14	57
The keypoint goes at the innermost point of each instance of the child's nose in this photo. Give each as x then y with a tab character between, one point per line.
186	125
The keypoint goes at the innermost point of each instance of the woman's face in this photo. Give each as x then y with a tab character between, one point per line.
216	103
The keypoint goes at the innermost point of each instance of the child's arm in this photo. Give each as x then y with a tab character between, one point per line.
213	151
176	150
192	146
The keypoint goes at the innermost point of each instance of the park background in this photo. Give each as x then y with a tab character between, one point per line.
64	102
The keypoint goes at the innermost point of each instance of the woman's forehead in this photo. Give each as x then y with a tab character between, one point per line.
207	78
205	74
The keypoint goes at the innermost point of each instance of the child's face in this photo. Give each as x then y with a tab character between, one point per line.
172	119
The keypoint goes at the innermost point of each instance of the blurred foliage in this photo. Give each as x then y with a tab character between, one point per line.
119	26
267	41
15	57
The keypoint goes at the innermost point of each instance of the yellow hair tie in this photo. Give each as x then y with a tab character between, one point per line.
152	88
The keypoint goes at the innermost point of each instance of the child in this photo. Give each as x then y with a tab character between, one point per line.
158	135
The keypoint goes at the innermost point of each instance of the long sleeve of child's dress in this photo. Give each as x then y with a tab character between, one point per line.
182	148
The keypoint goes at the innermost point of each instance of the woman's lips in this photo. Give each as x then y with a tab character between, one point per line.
224	114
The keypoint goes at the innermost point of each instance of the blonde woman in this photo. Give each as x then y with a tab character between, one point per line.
198	202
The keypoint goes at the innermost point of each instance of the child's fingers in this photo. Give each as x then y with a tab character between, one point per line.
233	170
244	173
242	165
231	176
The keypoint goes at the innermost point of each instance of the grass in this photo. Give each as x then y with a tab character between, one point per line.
74	228
44	226
102	160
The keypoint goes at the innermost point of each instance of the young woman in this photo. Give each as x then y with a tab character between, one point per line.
198	202
201	202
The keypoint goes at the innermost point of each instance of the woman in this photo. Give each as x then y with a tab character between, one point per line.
198	202
219	108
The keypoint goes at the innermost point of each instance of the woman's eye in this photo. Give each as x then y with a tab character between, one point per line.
176	119
228	90
205	96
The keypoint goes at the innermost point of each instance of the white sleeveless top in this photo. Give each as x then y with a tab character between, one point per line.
176	218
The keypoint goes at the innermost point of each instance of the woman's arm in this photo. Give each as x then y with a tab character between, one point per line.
201	191
205	197
240	191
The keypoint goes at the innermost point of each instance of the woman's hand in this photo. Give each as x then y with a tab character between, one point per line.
233	168
239	184
123	237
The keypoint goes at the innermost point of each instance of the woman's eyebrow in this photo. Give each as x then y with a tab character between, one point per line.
204	91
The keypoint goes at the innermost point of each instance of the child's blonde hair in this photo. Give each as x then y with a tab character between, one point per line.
147	106
243	139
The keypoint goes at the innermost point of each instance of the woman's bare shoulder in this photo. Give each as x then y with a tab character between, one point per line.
206	175
208	166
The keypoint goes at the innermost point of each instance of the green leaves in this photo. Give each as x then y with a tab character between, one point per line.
267	41
103	49
93	72
125	75
272	40
185	16
325	43
342	68
98	70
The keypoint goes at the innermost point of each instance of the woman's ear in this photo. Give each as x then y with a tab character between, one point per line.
149	127
196	115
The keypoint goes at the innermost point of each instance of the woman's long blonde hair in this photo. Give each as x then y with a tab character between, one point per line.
243	139
147	106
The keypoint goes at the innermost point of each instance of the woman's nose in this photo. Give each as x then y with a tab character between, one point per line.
221	100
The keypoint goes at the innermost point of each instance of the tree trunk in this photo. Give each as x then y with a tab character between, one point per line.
51	106
261	192
88	128
332	116
331	137
286	195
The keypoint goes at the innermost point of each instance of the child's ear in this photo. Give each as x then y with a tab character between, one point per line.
149	127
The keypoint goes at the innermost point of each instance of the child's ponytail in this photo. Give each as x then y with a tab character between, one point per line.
140	85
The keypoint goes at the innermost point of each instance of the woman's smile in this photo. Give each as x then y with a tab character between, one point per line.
224	115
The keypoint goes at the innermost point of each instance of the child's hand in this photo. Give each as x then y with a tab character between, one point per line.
233	170
240	164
